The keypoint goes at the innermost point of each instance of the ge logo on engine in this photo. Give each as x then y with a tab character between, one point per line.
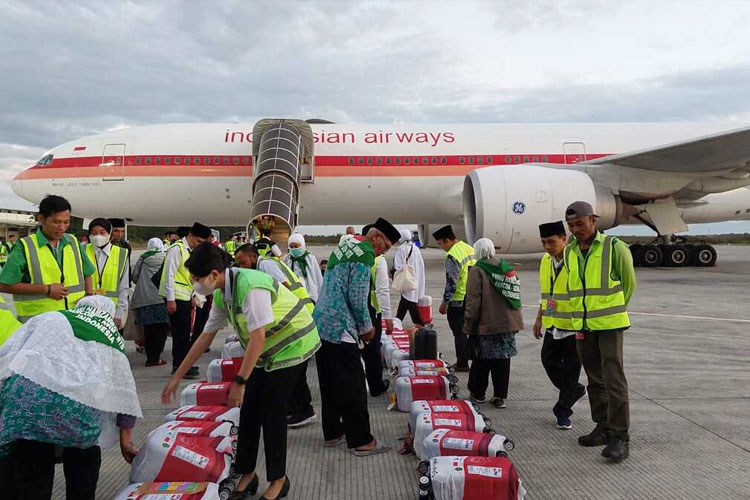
519	207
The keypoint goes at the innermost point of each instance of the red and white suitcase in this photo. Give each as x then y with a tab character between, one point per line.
183	457
172	491
421	369
428	422
471	478
409	389
223	370
394	351
201	428
424	364
463	406
232	350
449	442
206	394
192	413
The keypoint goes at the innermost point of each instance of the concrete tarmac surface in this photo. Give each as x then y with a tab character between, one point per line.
687	361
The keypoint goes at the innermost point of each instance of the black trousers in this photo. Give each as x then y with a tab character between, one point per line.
201	318
405	306
180	323
456	322
373	358
479	377
560	361
156	337
30	472
265	406
343	394
301	401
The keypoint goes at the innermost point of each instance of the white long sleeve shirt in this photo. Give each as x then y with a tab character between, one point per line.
400	261
270	266
383	288
314	279
172	263
123	287
257	309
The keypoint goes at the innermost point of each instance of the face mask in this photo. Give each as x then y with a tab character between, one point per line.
99	240
297	252
205	286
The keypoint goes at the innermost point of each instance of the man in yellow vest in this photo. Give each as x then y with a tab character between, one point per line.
5	249
554	322
177	290
231	245
458	259
112	277
601	280
47	270
8	322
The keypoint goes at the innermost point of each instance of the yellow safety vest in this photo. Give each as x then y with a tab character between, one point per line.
464	255
373	295
4	253
230	246
183	287
295	285
107	280
556	309
8	322
291	338
44	270
596	298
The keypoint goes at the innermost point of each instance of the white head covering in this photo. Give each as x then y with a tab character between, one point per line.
484	248
405	235
155	244
98	302
297	238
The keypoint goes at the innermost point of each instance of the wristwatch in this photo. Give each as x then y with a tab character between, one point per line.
240	381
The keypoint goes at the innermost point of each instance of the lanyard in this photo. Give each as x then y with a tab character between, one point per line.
98	272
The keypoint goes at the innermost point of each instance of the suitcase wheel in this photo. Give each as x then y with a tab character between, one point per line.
509	444
477	408
423	468
488	424
454	389
452	378
234	430
226	488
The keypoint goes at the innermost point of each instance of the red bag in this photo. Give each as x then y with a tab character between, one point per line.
471	478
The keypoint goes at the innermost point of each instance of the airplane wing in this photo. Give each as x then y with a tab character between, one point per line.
713	153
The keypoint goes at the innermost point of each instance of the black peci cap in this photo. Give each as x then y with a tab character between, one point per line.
200	230
118	223
548	229
385	227
444	232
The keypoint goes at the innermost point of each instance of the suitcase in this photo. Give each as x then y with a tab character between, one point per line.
424	344
409	389
205	394
232	350
428	422
462	406
424	307
424	364
200	428
410	371
231	338
172	491
223	370
394	351
471	478
193	413
449	442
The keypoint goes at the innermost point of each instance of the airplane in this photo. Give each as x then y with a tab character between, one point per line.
489	180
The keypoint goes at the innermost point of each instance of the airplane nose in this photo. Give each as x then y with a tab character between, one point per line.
17	185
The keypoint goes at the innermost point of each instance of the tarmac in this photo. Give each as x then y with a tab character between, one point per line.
689	376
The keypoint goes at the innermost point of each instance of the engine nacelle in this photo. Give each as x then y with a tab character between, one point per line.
426	230
508	203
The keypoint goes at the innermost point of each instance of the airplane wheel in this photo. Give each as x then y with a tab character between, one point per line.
635	249
676	256
651	255
704	256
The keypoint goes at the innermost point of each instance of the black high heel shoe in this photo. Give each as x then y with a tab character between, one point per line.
283	493
250	490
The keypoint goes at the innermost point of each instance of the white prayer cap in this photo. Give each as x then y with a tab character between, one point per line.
98	302
484	248
297	238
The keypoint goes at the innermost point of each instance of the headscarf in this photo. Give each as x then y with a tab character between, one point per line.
97	302
155	245
484	248
301	261
405	236
502	276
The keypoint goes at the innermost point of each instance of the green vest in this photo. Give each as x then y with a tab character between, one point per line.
183	287
464	255
558	312
44	270
107	280
373	296
596	298
8	322
295	285
291	338
230	246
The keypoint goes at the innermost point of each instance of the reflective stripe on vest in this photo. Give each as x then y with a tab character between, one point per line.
183	287
463	253
108	280
8	322
555	289
295	285
292	336
44	270
373	279
596	299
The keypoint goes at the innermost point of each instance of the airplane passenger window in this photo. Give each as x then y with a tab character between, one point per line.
157	160
226	161
206	160
398	161
480	160
369	160
471	160
388	161
489	159
433	160
186	160
246	160
544	159
360	161
443	160
148	160
351	160
197	160
167	160
462	160
406	161
517	159
535	159
138	160
177	160
415	161
236	160
216	160
425	161
508	159
380	161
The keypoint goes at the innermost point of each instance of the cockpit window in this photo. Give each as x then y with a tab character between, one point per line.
45	160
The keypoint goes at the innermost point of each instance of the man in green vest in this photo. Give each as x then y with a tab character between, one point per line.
177	290
601	281
47	270
8	322
5	249
458	259
112	277
554	322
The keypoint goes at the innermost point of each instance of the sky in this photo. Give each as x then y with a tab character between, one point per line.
71	69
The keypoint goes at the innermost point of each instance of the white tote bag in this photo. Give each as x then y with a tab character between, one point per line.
406	279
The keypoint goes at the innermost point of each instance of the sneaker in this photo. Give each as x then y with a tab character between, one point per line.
497	402
192	373
580	394
564	423
477	399
617	450
597	437
301	419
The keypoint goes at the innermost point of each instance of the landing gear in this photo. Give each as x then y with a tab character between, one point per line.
703	256
672	251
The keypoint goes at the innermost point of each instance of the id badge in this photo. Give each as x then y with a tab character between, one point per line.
551	305
100	291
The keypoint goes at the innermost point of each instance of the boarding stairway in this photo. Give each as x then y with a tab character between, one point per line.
283	158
